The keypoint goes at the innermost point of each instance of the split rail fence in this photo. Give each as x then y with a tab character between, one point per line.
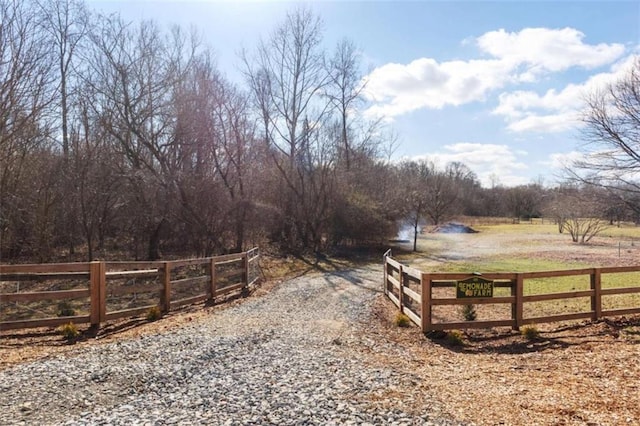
418	293
48	295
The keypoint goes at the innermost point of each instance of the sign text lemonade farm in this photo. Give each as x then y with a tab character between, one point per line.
474	287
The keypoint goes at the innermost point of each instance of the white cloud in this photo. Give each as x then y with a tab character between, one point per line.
547	50
555	111
486	160
396	89
561	160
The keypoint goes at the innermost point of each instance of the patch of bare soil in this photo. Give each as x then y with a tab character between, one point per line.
579	374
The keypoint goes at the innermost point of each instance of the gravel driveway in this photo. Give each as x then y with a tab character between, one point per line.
299	355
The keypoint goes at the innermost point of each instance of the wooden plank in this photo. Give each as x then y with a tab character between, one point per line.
401	290
393	281
136	265
457	276
554	296
394	299
619	312
45	295
33	276
189	300
166	284
226	258
619	290
45	322
596	298
228	289
191	281
246	270
126	313
94	286
443	284
142	273
188	262
448	284
253	257
619	269
425	306
413	316
556	274
394	263
102	290
556	318
472	324
46	268
214	281
141	288
412	294
474	300
518	308
412	272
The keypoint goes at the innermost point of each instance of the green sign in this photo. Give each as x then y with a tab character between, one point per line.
474	287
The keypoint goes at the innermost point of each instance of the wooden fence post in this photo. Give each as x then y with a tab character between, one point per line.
384	274
166	291
400	291
425	308
94	291
517	308
214	284
596	298
246	268
245	265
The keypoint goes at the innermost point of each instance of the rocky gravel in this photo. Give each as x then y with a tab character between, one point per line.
298	355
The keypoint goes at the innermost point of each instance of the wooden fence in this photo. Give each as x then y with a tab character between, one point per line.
416	295
95	292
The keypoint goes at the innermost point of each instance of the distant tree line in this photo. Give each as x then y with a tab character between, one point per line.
121	138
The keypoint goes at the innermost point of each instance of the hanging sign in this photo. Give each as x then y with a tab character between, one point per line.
474	287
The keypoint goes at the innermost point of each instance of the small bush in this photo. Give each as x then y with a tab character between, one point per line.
65	309
402	320
455	338
469	312
531	333
154	314
69	331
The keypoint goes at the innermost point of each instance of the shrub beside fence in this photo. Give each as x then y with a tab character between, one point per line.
48	295
417	294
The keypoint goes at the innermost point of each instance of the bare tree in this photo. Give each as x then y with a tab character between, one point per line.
344	90
135	72
25	101
414	179
287	78
612	131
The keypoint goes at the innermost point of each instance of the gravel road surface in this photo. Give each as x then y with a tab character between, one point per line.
298	355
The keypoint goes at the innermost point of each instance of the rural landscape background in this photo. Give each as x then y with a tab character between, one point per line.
122	139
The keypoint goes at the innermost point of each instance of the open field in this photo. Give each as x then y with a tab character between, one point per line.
533	247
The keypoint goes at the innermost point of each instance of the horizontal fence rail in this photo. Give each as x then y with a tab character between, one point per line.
48	295
417	293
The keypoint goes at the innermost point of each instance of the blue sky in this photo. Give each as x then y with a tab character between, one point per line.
496	85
